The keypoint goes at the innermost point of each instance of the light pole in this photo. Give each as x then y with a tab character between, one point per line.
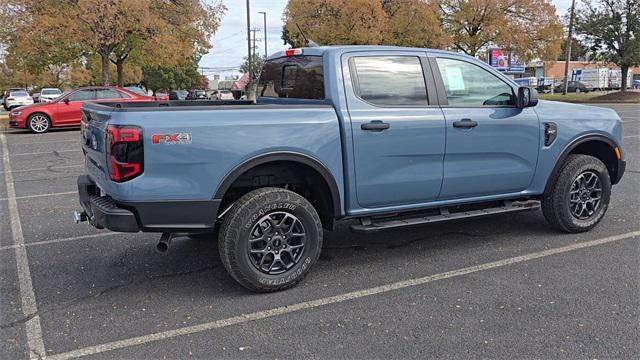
565	85
249	43
264	16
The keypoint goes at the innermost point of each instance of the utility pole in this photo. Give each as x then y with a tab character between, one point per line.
253	37
568	46
249	44
254	49
264	16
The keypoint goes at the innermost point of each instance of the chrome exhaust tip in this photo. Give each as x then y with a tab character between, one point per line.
163	243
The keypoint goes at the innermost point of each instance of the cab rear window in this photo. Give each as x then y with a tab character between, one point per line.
296	77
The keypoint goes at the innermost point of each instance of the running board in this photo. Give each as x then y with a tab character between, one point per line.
371	225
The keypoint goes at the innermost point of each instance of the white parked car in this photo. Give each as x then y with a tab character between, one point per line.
49	94
17	97
222	95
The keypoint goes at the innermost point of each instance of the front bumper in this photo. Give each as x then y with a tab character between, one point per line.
17	122
150	216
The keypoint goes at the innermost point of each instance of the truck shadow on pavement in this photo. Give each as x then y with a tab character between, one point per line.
189	261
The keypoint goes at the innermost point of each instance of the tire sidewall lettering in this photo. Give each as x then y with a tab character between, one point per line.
267	209
283	280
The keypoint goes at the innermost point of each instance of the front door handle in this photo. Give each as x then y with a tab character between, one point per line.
465	123
375	125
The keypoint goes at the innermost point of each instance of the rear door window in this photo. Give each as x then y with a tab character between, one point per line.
390	80
108	94
299	77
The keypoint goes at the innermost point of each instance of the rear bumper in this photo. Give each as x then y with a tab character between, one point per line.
150	216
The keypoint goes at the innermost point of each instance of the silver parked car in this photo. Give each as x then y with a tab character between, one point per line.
49	94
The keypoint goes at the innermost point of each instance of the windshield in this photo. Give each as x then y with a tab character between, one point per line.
18	93
51	92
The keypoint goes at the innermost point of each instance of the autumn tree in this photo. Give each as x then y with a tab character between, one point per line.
350	22
413	23
612	27
184	75
334	22
151	31
529	28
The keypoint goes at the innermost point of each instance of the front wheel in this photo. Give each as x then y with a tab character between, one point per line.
270	239
578	196
39	123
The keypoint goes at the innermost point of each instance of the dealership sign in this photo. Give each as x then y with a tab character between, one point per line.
508	63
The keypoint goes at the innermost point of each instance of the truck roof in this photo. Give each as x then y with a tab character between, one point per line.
322	50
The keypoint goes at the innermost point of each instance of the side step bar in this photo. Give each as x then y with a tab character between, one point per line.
371	225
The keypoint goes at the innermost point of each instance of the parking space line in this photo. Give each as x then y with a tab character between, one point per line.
631	136
282	310
57	241
46	168
47	152
37	195
46	142
27	294
26	134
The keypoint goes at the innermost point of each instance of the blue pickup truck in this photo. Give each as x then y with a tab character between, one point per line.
389	136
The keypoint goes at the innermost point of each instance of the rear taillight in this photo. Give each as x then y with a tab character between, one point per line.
125	152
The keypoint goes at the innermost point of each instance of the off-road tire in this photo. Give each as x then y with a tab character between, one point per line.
233	240
555	201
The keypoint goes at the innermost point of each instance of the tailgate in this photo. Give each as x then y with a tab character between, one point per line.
93	127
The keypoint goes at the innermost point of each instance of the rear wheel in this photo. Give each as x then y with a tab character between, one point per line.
270	239
579	194
39	123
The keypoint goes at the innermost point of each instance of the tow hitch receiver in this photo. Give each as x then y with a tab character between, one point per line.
80	216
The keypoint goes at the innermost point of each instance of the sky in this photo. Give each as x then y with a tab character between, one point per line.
230	42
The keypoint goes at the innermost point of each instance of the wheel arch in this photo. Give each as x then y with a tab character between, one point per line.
300	159
596	145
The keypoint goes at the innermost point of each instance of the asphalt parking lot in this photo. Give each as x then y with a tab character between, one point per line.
499	287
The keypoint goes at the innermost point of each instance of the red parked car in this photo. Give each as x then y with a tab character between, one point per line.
65	110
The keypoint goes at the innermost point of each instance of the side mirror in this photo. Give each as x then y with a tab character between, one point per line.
66	101
527	97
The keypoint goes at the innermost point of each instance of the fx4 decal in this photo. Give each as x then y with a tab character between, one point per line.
179	138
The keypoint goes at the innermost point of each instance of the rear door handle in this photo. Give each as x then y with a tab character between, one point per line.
465	123
375	125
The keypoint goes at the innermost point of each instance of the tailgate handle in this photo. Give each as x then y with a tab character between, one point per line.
375	125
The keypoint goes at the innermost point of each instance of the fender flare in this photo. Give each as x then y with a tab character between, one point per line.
574	144
283	156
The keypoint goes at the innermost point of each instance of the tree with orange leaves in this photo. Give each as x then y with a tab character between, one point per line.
528	28
348	22
152	31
